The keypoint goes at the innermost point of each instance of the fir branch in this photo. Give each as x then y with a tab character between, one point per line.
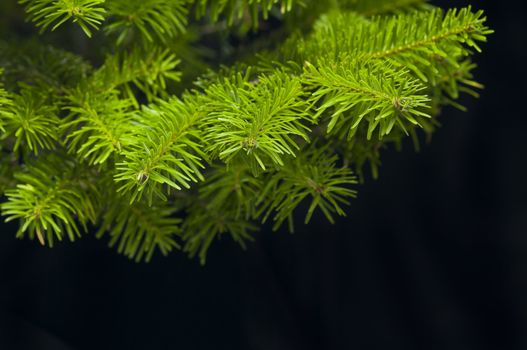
163	150
359	152
147	68
411	40
42	66
377	7
88	14
236	10
233	189
374	92
225	204
6	105
161	19
259	121
204	224
269	133
456	80
9	165
138	230
52	198
97	125
30	120
313	175
428	30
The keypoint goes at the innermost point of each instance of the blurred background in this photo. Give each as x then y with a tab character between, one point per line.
433	255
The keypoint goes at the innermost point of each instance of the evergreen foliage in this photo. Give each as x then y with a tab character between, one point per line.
178	122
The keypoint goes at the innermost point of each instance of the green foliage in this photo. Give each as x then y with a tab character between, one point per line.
163	19
96	125
206	223
376	7
164	149
148	19
88	14
32	122
236	10
371	92
43	66
6	105
226	203
138	230
314	175
53	198
148	69
259	119
122	139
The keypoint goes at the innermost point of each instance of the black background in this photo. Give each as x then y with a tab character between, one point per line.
432	256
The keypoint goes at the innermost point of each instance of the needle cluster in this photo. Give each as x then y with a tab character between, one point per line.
145	140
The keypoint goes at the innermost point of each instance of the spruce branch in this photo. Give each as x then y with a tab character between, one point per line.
6	105
255	141
225	204
204	223
429	30
97	125
161	19
412	40
146	68
138	230
163	150
236	10
314	175
361	90
42	66
233	189
88	14
9	165
259	121
52	199
29	119
380	7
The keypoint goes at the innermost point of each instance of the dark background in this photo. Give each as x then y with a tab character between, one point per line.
432	256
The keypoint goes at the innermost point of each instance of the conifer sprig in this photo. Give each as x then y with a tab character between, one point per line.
360	91
96	126
156	165
236	10
226	203
377	7
258	120
31	121
88	14
6	105
421	41
205	223
146	68
161	19
53	199
42	66
138	230
314	175
163	149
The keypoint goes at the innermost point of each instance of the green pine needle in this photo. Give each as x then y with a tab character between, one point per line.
172	132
